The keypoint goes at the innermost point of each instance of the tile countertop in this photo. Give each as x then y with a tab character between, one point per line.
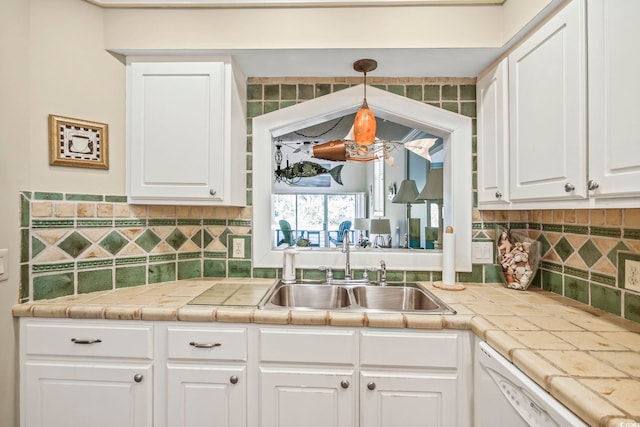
586	358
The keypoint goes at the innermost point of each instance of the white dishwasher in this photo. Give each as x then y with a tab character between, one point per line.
506	397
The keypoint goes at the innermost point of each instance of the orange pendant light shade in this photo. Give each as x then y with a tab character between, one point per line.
364	126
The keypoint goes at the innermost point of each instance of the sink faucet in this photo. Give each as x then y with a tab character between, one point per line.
347	252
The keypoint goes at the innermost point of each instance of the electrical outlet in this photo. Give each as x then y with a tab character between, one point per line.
4	264
238	248
482	252
632	275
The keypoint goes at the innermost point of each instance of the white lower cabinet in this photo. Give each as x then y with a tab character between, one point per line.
104	373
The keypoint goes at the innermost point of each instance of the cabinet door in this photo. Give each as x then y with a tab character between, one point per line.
176	131
309	398
493	135
79	395
211	396
391	399
547	110
614	88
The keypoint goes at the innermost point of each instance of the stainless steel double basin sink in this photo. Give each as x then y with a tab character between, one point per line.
353	295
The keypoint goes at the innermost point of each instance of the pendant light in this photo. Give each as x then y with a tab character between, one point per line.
364	125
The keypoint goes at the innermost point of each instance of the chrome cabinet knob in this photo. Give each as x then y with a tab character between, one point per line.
344	384
371	385
137	378
592	185
233	379
568	187
498	195
212	192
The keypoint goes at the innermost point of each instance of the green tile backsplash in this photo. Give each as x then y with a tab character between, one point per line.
76	243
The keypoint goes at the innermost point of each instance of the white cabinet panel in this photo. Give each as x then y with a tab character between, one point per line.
185	139
207	396
81	395
493	135
310	398
408	400
614	90
547	110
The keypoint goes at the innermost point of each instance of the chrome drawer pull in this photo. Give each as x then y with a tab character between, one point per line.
233	379
344	384
204	345
77	341
137	378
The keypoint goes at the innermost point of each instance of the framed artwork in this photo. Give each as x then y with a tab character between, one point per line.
75	142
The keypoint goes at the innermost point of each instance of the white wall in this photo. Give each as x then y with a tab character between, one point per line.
52	60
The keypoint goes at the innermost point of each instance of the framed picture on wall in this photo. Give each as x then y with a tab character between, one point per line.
75	142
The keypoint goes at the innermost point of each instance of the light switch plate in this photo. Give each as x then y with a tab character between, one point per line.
4	264
482	252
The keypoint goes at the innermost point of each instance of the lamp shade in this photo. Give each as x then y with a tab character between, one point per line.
407	193
380	226
361	224
433	189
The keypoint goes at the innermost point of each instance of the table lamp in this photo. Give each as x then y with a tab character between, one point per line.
433	190
361	224
379	227
407	194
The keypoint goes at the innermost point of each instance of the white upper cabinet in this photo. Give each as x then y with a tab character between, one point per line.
186	132
614	90
547	109
493	135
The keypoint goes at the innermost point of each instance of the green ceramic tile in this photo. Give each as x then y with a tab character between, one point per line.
24	245
52	223
492	274
162	222
93	281
451	106
605	298
25	211
249	180
239	268
395	276
74	244
555	228
206	238
215	268
414	276
576	289
613	253
115	199
176	239
254	108
288	92
449	92
254	92
414	92
52	286
189	255
249	197
131	260
552	282
468	109
249	164
576	272
431	93
436	276
475	276
131	276
239	223
148	240
631	234
271	92
188	221
396	89
247	245
590	253
314	274
159	273
163	257
285	104
603	278
468	92
85	197
270	106
632	306
113	242
47	196
189	269
96	223
339	86
59	266
215	254
265	273
322	89
564	249
214	221
606	232
305	91
94	263
130	223
576	229
24	282
223	236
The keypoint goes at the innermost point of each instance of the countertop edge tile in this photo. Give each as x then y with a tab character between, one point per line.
86	311
535	366
196	314
159	313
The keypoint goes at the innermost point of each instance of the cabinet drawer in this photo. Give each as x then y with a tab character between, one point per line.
408	349
89	340
308	346
207	343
